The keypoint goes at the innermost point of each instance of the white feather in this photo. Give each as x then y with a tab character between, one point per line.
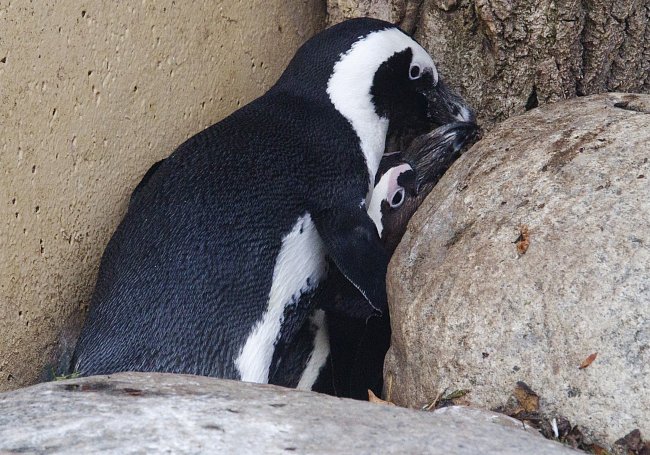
319	354
350	83
387	184
299	267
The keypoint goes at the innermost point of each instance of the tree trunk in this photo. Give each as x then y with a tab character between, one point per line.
507	56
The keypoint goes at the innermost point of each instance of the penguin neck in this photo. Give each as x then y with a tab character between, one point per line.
371	129
359	110
349	90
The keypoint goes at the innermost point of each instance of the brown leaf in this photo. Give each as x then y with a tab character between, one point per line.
588	361
598	450
645	450
526	397
631	442
375	399
523	241
575	438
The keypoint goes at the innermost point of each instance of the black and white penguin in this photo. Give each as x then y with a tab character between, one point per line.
337	353
225	239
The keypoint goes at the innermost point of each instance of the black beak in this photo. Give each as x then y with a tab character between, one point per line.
431	154
445	106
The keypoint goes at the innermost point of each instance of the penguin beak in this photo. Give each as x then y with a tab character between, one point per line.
445	106
431	154
441	106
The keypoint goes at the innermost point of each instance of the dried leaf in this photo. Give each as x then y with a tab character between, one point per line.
575	438
526	397
598	450
375	399
631	442
434	403
523	241
588	361
645	450
456	394
459	399
444	399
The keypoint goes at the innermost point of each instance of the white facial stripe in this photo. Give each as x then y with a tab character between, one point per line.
387	184
299	268
319	354
350	84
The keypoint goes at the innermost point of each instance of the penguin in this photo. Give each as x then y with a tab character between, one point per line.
225	241
343	355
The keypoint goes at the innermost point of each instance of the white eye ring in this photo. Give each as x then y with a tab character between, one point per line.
415	72
397	198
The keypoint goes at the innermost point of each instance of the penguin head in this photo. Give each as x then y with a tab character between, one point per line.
393	202
378	78
404	179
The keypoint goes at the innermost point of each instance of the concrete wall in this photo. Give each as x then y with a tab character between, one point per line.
91	94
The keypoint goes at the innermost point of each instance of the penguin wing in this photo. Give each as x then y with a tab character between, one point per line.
353	244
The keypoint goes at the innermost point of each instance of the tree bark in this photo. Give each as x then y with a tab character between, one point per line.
508	56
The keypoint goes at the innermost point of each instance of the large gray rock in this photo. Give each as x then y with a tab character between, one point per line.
155	413
528	52
470	311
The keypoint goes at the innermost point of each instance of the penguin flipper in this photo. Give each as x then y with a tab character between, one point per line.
353	244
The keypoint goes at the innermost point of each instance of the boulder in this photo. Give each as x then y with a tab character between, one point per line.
531	255
155	413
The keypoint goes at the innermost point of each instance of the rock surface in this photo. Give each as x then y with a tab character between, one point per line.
476	305
406	13
91	95
505	57
153	413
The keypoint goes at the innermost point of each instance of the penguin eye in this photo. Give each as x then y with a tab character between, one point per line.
397	199
415	72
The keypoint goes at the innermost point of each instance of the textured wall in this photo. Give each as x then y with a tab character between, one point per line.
91	94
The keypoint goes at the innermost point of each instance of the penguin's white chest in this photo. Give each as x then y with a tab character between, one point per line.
299	267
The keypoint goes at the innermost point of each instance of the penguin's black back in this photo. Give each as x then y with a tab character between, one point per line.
168	281
313	63
188	271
